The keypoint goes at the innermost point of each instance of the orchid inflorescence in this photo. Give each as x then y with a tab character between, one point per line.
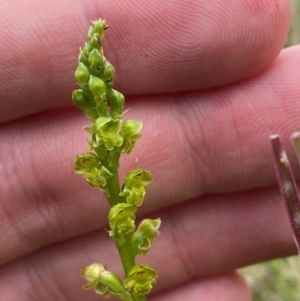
109	139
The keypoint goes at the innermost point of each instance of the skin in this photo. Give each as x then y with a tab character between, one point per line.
210	82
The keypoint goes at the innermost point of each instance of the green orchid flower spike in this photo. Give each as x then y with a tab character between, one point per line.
109	138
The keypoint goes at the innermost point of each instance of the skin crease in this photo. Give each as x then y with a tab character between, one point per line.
210	83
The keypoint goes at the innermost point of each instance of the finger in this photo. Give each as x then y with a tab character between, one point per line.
200	238
188	152
226	287
154	47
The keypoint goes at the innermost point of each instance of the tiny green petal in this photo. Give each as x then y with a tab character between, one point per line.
136	196
82	74
142	238
100	122
102	290
130	131
131	128
105	172
149	227
139	176
95	178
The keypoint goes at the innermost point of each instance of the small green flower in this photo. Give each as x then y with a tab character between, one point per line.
107	133
96	177
86	162
131	133
135	186
121	219
142	238
103	282
94	173
140	280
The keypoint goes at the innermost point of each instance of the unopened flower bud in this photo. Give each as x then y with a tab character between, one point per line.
117	101
80	100
97	86
91	32
101	105
96	42
91	113
86	49
108	72
99	27
82	74
95	59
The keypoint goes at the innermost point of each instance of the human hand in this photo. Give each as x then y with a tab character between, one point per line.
202	78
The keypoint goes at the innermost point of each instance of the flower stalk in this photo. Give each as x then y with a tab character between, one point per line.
287	183
109	139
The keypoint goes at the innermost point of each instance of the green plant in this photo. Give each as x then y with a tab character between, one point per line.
109	139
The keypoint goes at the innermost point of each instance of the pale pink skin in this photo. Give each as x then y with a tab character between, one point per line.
214	184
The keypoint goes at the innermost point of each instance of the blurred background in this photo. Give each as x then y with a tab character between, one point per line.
278	280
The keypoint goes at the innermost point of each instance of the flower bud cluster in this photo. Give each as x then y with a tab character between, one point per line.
104	106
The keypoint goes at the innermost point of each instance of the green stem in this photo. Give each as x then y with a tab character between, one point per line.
113	187
123	243
124	246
